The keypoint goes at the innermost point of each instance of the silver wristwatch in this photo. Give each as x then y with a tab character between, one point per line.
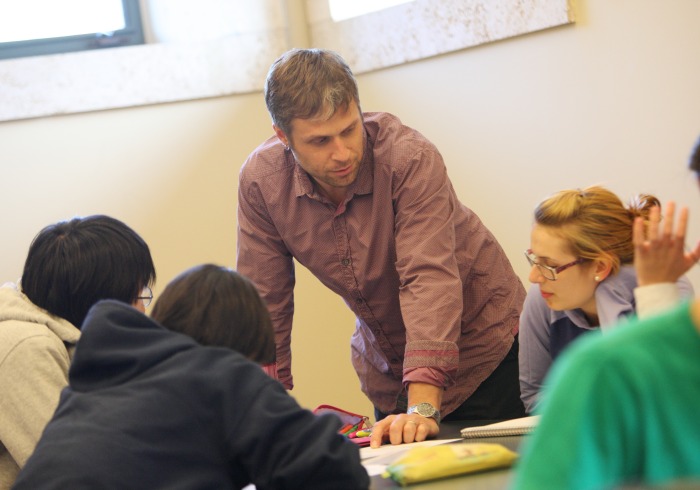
426	410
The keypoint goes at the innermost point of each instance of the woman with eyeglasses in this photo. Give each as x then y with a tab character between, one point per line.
583	279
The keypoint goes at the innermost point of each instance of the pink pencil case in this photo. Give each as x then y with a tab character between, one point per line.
352	422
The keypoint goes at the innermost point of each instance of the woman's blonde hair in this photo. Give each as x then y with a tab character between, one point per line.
594	222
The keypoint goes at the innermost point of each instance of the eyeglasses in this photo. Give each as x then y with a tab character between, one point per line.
549	273
147	296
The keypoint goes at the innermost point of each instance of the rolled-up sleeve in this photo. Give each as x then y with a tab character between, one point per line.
430	290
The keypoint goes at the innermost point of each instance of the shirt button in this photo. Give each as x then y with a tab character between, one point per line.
358	300
345	262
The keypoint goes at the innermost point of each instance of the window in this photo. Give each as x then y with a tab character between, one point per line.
237	57
151	73
418	29
342	9
36	27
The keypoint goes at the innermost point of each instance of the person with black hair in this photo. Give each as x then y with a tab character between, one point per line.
70	266
694	161
181	401
660	254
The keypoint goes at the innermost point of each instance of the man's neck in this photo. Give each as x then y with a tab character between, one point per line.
335	194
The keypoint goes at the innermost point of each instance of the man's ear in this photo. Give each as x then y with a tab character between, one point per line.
281	136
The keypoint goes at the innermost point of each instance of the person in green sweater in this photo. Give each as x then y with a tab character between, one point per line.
621	409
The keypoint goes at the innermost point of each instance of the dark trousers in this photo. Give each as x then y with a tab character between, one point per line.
496	398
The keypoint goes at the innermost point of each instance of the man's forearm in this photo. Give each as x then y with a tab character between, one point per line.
424	392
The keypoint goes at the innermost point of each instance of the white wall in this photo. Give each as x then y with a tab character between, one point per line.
610	99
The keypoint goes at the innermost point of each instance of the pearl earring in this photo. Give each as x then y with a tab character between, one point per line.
597	278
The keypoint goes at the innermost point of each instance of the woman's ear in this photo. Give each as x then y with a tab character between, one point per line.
602	267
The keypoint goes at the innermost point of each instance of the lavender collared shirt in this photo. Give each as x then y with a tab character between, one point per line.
435	298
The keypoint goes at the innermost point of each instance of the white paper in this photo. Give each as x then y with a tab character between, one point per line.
387	453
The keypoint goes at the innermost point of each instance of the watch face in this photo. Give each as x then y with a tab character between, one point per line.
425	409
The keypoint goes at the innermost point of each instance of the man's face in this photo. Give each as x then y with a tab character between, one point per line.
330	150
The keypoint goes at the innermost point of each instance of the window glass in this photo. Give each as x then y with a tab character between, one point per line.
40	19
34	27
342	9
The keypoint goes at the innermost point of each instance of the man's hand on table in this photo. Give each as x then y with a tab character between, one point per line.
403	428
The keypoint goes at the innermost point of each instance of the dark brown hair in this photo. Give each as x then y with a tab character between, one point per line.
217	306
694	161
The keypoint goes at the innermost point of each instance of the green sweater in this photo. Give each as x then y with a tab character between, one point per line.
620	408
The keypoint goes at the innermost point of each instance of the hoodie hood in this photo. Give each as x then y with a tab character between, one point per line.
16	307
119	343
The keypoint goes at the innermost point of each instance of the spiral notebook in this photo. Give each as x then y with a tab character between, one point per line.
513	427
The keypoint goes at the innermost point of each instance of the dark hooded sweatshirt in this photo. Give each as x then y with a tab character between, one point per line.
150	408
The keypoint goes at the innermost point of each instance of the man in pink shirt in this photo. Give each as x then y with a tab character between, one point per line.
366	205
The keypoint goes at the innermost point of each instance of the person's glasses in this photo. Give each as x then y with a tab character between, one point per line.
548	272
146	296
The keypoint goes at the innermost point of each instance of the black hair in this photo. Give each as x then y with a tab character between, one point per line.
218	306
694	161
73	264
